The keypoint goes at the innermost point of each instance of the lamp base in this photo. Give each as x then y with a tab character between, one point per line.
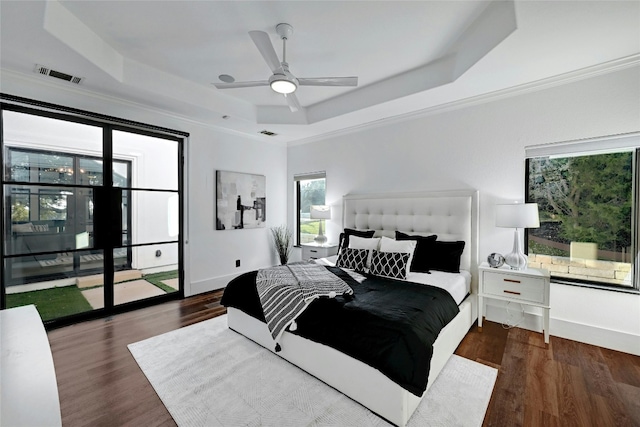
320	239
517	260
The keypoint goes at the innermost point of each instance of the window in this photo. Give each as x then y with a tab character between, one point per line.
53	204
588	209
310	190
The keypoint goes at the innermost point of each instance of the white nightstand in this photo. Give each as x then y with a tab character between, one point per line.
314	250
529	286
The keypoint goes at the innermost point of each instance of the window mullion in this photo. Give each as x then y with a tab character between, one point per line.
635	223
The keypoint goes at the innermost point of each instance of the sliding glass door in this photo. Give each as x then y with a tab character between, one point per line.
91	215
150	201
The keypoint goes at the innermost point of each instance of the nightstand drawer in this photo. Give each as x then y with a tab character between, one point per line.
513	286
310	251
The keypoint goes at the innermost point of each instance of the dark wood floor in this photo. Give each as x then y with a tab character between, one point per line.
567	384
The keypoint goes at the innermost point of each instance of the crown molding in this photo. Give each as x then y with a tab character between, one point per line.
538	85
98	97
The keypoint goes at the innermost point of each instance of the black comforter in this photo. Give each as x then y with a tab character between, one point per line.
388	324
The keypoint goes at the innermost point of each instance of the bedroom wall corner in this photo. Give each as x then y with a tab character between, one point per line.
214	252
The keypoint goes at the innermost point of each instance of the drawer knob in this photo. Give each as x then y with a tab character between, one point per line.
313	250
511	292
511	280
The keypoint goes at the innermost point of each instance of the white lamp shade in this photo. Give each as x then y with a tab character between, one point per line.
320	212
520	215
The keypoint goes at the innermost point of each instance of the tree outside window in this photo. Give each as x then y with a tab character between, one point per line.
19	207
585	207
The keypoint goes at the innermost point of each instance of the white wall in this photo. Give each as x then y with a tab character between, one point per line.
210	254
482	147
214	252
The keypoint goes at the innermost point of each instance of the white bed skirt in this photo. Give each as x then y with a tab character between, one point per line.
355	379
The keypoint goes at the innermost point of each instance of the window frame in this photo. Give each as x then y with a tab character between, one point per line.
108	125
298	199
595	146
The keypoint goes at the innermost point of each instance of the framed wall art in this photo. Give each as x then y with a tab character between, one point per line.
241	200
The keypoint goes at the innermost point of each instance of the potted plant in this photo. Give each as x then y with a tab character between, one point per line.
282	242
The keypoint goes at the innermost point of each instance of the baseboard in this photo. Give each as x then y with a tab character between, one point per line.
589	334
211	284
607	338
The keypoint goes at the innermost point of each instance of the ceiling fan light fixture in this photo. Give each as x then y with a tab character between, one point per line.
283	84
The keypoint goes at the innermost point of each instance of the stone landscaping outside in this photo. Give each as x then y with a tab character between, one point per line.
609	272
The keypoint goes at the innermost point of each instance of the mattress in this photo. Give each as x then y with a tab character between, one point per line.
457	284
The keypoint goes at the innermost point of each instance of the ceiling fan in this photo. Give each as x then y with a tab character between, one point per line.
282	81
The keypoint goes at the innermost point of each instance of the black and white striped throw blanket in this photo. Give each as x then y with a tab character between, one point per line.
285	292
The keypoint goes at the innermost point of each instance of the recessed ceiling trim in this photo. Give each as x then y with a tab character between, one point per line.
496	22
562	79
74	33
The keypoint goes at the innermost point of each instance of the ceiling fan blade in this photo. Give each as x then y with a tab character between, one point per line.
328	81
292	100
263	43
241	84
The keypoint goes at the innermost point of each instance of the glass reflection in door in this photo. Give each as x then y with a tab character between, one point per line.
150	203
50	166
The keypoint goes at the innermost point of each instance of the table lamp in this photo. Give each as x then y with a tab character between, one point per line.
320	212
518	215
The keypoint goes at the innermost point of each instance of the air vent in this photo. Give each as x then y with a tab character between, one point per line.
46	71
268	133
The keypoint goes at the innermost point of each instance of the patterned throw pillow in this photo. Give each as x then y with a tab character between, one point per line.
353	259
389	264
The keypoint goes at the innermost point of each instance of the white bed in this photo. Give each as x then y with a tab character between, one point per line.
452	215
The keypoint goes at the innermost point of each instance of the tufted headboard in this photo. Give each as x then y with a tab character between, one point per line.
452	215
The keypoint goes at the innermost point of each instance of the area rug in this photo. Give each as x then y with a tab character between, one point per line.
208	375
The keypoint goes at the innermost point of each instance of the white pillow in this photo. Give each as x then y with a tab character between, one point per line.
372	243
403	246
